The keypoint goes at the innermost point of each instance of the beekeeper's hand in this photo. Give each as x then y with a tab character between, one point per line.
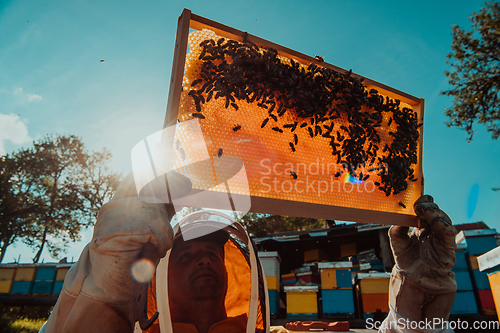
422	284
98	291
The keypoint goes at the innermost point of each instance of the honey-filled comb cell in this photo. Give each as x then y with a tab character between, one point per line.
315	140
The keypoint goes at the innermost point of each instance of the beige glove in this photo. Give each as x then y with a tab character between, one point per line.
422	285
98	291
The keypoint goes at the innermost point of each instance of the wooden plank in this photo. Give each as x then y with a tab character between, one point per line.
174	94
293	208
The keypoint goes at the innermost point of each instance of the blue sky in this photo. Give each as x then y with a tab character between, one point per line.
53	82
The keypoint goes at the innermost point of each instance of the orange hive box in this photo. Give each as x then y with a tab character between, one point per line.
315	140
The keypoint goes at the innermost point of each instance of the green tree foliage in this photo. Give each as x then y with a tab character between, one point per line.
53	191
255	223
475	58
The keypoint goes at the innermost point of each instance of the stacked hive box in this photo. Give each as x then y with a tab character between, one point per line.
373	292
301	302
465	300
271	265
23	280
336	289
490	264
44	280
7	273
289	279
62	270
308	275
479	242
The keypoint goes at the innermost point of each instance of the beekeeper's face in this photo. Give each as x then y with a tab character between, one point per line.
196	272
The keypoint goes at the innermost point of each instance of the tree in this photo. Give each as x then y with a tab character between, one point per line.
13	202
60	189
255	223
475	57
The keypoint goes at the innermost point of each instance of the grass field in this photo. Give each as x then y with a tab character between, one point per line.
15	319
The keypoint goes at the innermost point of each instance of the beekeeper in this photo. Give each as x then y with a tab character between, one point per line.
99	291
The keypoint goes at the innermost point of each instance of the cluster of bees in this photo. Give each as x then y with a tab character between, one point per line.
319	99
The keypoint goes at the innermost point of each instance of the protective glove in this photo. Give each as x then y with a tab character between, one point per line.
422	286
98	291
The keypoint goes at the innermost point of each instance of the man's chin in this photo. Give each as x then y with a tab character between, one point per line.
207	291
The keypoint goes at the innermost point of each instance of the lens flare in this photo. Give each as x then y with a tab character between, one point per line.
143	270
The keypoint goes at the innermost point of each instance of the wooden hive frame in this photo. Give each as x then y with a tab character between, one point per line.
188	21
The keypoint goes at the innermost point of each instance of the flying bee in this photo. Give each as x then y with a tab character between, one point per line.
292	146
294	175
198	115
219	152
401	204
236	128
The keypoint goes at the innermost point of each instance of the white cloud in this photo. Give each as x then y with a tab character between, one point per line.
34	97
18	91
12	129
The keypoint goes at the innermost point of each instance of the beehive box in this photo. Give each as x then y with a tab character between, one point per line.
489	263
302	302
465	304
6	278
374	290
290	120
270	261
335	275
337	303
478	241
44	280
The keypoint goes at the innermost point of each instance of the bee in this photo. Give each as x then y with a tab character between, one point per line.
236	128
219	152
198	115
274	117
235	106
264	123
277	129
319	58
292	146
296	139
401	204
311	134
294	175
195	82
337	174
390	122
303	125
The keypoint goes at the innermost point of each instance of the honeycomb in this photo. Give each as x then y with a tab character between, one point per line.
285	159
